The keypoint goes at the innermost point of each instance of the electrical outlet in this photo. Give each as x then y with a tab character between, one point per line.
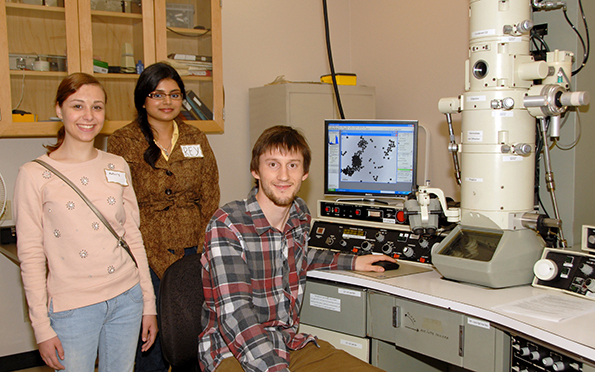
7	215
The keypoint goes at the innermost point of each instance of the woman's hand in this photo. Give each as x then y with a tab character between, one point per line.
48	349
149	331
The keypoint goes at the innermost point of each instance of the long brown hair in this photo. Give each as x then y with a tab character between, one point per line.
70	85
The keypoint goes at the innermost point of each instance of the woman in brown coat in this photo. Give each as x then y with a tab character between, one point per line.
174	175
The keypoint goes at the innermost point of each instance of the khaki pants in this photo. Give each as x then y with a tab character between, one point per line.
313	359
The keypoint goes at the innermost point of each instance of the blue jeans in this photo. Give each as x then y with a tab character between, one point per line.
107	329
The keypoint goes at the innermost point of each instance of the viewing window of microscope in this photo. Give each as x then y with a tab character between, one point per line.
473	244
370	157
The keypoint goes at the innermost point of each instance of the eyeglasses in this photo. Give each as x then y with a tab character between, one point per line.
161	96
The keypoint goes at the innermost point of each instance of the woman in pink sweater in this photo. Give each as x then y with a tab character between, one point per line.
93	298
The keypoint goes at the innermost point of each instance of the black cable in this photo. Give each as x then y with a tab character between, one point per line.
543	45
586	49
330	60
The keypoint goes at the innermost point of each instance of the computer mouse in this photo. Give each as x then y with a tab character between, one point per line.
388	265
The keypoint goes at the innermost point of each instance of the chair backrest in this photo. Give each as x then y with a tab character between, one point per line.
180	302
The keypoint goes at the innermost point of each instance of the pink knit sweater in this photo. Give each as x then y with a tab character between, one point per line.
85	264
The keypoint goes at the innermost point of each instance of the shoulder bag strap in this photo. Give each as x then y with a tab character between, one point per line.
120	239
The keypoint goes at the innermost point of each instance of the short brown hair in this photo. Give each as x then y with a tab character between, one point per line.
282	138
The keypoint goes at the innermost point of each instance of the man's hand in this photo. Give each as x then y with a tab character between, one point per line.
48	349
364	263
149	331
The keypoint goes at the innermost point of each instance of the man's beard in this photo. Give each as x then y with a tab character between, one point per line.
280	202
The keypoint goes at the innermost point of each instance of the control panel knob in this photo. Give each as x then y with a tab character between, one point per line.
590	283
522	149
548	361
367	246
545	269
330	240
424	243
380	236
408	252
559	366
525	351
388	248
343	243
586	269
508	103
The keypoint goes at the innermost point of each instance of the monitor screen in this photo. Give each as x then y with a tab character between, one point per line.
370	157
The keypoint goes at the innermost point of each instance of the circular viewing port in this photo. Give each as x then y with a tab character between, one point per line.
480	69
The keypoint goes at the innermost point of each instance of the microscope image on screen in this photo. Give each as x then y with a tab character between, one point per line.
370	157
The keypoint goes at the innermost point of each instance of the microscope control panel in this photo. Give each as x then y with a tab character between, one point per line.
569	271
386	214
396	241
528	356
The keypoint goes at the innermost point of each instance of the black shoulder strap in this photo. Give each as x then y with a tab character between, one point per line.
120	239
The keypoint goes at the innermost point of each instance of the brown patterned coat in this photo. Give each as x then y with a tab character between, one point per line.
177	199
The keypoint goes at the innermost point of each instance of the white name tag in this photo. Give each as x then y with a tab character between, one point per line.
116	177
192	151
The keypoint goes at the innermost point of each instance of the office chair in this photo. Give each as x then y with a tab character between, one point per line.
180	302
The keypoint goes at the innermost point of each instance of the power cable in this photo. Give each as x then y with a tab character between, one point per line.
587	48
330	59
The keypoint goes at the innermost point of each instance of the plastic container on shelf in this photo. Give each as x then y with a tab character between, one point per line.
179	15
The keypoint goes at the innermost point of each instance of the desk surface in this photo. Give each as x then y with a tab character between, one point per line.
575	335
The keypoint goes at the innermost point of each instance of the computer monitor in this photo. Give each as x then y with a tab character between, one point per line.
370	158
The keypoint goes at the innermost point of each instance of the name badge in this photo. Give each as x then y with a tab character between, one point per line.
116	177
192	151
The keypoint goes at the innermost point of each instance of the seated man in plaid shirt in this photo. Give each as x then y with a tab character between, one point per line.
255	262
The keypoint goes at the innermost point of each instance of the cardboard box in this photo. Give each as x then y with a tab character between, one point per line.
100	67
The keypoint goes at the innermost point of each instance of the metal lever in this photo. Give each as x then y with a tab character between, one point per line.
453	148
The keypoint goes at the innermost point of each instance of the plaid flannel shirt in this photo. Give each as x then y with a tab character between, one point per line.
253	280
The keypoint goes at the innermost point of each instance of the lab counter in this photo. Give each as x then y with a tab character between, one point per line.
416	312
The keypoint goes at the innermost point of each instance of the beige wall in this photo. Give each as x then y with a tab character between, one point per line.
261	40
413	52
